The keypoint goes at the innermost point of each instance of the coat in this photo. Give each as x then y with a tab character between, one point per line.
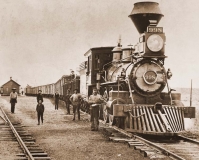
40	108
39	97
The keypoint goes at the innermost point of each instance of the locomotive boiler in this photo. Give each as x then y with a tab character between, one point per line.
132	80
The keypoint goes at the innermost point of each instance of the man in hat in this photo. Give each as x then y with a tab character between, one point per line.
67	101
39	96
95	100
56	99
75	100
40	112
13	99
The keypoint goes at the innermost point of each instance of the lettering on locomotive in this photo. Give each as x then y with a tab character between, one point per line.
150	77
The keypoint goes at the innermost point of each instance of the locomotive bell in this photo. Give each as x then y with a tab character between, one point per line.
143	13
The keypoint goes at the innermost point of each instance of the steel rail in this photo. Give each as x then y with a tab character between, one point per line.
163	150
188	139
20	141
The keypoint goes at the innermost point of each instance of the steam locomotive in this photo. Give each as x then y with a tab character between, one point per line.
132	80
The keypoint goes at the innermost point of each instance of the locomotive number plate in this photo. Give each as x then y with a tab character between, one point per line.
150	77
155	29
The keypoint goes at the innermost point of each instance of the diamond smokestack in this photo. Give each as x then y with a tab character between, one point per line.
143	13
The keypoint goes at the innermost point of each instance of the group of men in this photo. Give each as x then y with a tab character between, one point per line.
94	101
75	99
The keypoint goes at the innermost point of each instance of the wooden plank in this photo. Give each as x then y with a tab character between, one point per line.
180	117
131	122
142	119
154	120
39	154
132	145
146	119
182	113
160	123
135	142
148	153
175	117
138	119
162	116
172	118
40	158
150	119
118	138
131	140
169	118
134	120
141	147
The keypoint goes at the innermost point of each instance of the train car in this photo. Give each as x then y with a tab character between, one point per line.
58	86
71	82
51	90
132	79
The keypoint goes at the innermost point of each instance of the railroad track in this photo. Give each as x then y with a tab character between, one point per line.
179	148
26	148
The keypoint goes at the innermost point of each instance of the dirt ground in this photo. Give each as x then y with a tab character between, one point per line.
64	139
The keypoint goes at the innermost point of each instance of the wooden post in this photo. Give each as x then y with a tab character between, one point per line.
191	94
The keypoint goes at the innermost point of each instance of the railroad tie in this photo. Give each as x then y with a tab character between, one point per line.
21	155
39	154
21	158
132	144
119	139
40	158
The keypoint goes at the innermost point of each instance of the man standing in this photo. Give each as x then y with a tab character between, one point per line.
95	100
75	100
56	100
40	112
67	101
13	99
39	96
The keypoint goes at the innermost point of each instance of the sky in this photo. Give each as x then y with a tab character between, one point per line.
42	40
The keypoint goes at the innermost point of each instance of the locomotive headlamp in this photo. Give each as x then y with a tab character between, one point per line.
155	43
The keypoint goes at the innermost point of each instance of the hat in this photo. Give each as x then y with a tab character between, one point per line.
39	90
76	89
13	88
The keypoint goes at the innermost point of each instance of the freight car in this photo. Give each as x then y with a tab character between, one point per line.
71	82
132	80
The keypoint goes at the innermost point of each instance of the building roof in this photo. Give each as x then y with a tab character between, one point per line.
10	81
87	53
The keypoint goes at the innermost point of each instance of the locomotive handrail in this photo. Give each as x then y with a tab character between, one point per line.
169	89
135	116
130	90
